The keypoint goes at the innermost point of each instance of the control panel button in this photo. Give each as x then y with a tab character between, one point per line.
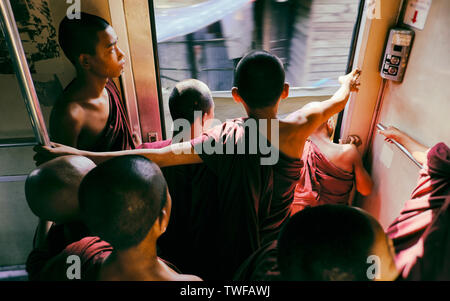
395	60
392	70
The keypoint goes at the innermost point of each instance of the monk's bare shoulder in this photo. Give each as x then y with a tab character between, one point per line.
350	153
291	140
67	109
66	120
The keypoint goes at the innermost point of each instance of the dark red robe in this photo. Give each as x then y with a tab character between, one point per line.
117	134
321	182
225	209
410	230
261	265
250	205
92	252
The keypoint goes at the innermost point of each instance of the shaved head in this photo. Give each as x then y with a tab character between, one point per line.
333	242
259	78
51	189
189	96
121	199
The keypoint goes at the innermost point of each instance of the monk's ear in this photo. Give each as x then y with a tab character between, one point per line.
207	116
235	93
164	215
84	61
285	92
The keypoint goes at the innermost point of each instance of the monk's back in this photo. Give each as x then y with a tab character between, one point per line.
341	155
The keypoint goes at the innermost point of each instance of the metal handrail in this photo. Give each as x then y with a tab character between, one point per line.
13	178
401	147
17	142
12	38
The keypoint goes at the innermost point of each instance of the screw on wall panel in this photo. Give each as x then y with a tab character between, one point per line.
152	136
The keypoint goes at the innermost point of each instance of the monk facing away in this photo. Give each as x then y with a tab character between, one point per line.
124	202
255	185
330	172
340	243
89	115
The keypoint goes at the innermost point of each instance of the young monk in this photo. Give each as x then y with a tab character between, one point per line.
191	102
125	203
420	233
193	209
89	115
336	246
253	199
52	194
330	171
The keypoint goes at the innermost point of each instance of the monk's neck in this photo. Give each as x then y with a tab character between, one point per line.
263	113
320	138
137	263
90	86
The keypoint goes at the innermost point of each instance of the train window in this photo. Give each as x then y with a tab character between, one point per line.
205	39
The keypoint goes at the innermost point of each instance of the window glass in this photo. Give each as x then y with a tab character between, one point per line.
205	40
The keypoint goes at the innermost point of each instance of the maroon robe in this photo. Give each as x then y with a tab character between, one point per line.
321	182
409	231
434	264
261	265
251	203
193	191
92	252
117	134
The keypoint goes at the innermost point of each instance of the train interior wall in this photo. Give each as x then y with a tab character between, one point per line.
418	106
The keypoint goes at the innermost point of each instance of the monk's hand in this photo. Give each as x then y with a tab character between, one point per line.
46	153
351	139
351	80
391	133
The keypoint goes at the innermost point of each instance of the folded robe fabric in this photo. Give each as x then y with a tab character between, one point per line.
117	134
92	252
262	265
225	209
251	201
321	182
434	264
427	200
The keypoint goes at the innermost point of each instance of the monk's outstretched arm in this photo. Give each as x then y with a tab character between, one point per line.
312	115
418	150
172	155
